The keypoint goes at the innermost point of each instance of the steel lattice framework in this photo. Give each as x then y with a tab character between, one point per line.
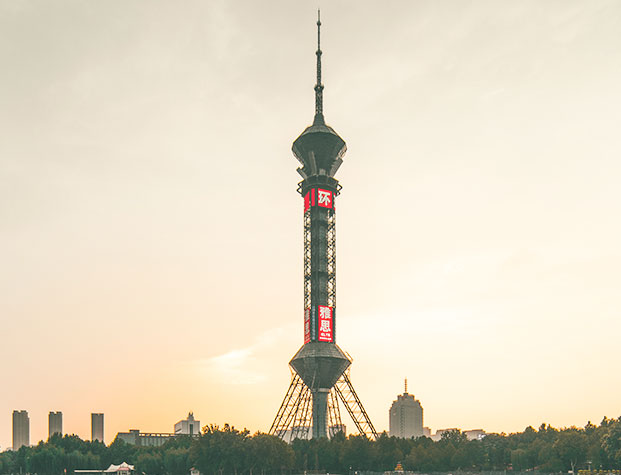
320	256
331	259
307	259
354	406
294	420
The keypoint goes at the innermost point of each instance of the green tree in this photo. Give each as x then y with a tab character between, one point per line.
176	460
150	462
519	459
571	447
222	451
358	453
119	452
611	444
548	458
269	454
388	453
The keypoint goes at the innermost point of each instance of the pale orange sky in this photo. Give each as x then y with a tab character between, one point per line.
151	235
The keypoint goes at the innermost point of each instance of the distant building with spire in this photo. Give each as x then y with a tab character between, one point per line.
189	426
406	416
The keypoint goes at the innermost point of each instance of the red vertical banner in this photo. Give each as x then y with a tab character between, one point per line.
307	325
325	321
306	202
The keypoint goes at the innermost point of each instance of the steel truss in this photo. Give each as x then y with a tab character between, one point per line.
307	259
294	408
319	257
354	406
331	259
294	419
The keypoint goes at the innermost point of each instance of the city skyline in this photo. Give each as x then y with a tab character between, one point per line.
150	236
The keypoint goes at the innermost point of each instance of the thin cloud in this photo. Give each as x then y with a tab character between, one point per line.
242	366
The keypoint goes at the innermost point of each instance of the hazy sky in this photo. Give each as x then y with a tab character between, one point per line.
151	235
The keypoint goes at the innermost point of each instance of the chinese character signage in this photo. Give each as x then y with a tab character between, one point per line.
307	325
325	322
318	197
324	198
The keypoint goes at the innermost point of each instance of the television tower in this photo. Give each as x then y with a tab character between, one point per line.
320	369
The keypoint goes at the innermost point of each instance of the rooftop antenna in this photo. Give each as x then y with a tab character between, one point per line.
406	385
318	86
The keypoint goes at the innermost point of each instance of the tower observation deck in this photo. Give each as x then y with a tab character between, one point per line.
320	381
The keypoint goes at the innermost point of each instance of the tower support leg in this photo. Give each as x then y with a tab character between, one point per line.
293	411
303	409
347	394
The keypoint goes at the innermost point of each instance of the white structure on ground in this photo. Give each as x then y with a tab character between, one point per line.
122	469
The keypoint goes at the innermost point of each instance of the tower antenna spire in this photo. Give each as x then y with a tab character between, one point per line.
406	385
318	86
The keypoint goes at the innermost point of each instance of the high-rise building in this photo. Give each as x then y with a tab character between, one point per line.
21	429
55	423
97	427
320	383
406	416
188	426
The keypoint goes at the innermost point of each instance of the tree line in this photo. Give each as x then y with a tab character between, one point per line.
227	450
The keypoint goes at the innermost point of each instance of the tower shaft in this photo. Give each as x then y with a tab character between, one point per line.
319	263
319	363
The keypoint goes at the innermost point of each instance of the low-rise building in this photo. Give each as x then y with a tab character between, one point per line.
336	428
144	439
475	434
438	435
189	426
